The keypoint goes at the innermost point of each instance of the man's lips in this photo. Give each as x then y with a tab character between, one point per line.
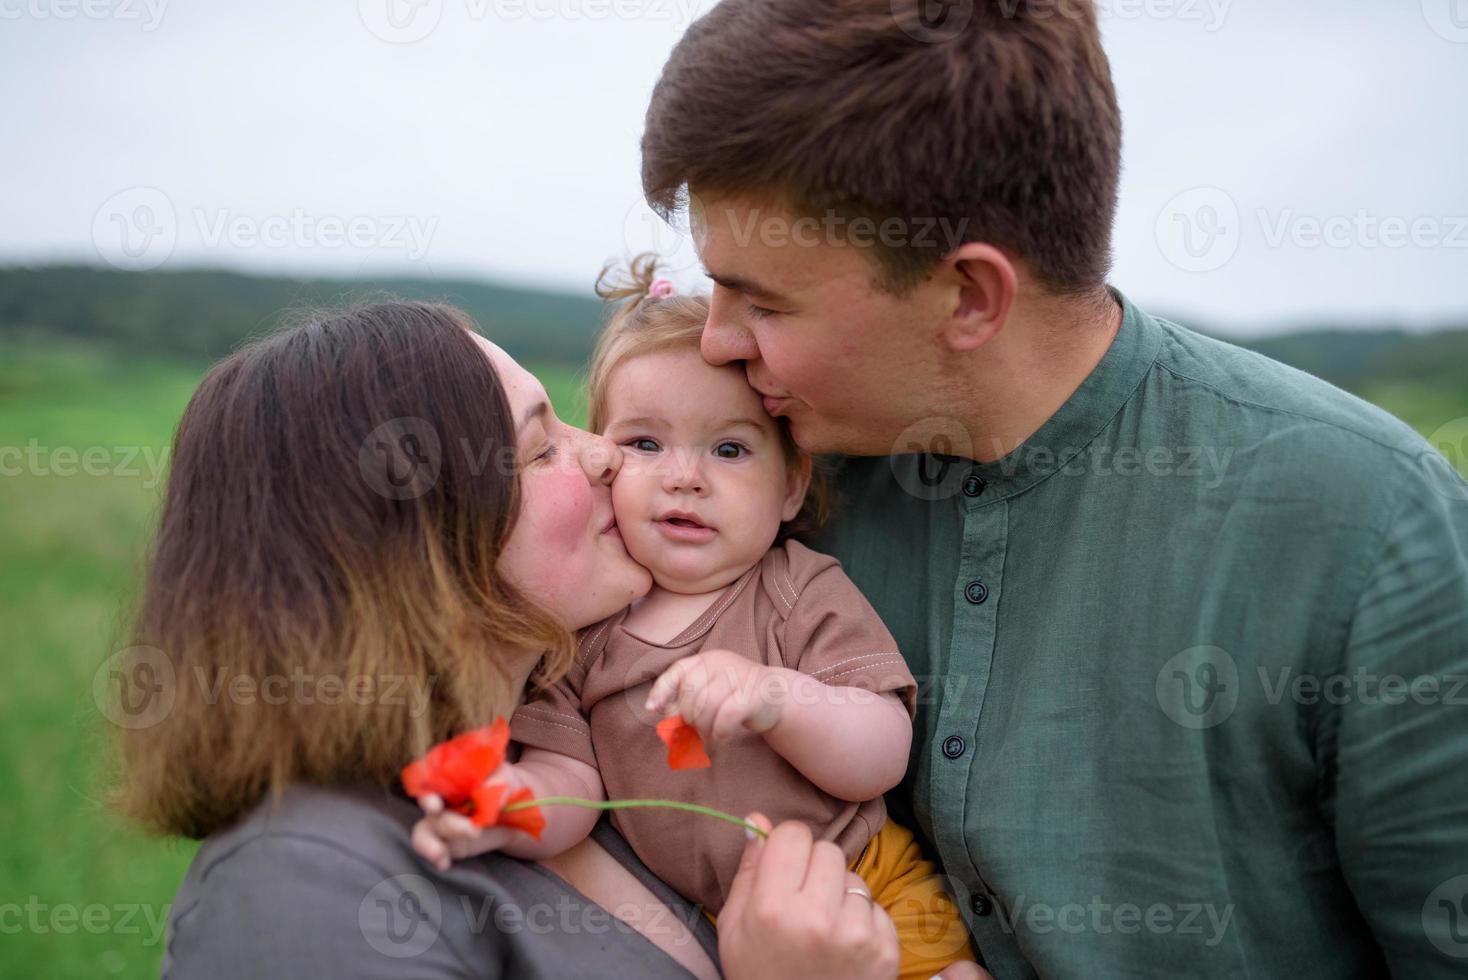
772	403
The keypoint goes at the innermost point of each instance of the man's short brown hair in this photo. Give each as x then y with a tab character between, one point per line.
1001	121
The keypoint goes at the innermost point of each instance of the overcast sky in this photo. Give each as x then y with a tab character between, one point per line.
1286	161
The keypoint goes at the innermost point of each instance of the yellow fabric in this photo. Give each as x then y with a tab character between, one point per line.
908	886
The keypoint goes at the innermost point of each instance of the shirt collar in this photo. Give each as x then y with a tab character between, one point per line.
1098	399
1093	405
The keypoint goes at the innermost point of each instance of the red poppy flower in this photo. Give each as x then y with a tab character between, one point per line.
685	748
489	801
456	768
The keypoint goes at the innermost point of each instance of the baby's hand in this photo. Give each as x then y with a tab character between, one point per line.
721	694
443	836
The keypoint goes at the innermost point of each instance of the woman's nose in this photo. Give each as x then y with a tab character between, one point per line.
600	459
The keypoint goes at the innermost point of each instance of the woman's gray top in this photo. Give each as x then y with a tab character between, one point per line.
326	884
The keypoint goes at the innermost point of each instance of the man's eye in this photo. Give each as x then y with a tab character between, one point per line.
759	312
729	450
642	445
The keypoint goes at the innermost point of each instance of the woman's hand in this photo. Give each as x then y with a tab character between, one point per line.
790	914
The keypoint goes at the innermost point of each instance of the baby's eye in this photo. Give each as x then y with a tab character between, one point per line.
642	444
729	450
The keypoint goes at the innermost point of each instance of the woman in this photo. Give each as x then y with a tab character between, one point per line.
376	533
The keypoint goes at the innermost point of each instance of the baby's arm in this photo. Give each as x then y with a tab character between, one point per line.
839	705
442	836
850	742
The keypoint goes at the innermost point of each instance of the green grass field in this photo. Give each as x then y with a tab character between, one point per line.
85	894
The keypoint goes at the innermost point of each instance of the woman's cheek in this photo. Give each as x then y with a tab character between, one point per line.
548	545
558	509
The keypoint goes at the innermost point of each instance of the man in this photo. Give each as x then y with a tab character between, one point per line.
1192	626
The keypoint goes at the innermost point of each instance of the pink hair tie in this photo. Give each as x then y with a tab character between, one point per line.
660	289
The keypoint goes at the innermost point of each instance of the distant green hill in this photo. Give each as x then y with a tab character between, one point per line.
203	315
1422	378
1360	359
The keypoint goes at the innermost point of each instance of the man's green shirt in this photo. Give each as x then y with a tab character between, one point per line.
1194	672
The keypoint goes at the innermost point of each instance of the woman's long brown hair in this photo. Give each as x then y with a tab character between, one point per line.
322	597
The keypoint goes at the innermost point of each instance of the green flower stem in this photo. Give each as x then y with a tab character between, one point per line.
630	804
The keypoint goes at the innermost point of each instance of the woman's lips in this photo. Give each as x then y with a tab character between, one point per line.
678	530
773	405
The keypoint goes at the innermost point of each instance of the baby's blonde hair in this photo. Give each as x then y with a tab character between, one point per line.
641	323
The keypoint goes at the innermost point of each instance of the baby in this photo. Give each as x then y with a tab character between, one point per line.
761	644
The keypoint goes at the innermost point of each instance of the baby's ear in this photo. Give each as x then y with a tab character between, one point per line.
797	482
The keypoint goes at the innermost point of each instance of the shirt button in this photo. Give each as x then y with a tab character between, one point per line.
981	905
976	592
973	486
953	746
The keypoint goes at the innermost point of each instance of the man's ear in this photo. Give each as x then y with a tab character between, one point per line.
797	482
985	284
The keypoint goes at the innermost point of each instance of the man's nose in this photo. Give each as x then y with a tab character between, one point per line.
600	459
724	338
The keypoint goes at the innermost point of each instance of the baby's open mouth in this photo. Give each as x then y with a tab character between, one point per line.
681	525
